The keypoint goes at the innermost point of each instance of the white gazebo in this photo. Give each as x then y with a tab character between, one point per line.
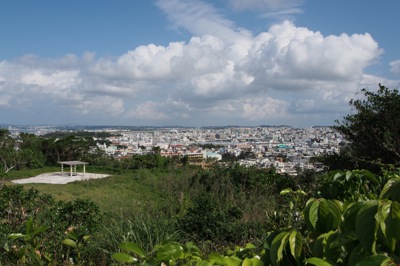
72	166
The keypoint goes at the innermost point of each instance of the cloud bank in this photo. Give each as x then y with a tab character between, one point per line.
223	74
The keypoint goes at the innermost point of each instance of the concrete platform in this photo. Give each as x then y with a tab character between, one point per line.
58	178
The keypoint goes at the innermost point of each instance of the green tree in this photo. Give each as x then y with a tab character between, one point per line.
7	152
205	220
29	151
72	148
67	149
374	129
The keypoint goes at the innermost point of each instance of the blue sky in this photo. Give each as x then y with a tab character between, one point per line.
193	62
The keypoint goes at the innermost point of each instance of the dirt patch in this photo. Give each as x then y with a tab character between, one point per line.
58	178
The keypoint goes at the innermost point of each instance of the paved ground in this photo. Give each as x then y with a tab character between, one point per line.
58	178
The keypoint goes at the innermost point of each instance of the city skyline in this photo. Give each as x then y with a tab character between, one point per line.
194	62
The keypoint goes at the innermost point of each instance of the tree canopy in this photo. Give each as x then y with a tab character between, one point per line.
7	151
374	129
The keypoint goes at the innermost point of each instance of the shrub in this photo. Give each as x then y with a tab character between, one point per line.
35	222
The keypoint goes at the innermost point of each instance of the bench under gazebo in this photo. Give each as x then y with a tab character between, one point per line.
72	167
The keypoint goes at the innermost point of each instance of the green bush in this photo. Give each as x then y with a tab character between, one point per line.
363	229
36	223
17	205
205	220
360	231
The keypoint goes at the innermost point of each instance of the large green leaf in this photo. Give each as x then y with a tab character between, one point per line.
328	216
335	214
247	262
337	176
322	245
344	239
256	262
349	175
270	237
123	257
370	176
311	213
132	247
322	215
285	191
170	251
296	244
339	204
277	251
391	190
319	262
216	257
16	236
232	261
191	247
389	222
70	242
325	221
249	246
349	216
376	260
366	225
252	262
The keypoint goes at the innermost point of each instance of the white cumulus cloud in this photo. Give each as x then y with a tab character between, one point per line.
395	67
223	72
149	111
265	108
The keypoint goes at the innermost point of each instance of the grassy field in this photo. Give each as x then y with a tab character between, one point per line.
149	206
132	192
145	191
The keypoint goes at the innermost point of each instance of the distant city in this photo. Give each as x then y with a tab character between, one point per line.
44	129
286	148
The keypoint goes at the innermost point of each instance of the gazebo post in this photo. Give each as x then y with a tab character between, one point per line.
72	167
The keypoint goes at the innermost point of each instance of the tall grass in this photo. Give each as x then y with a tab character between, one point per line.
145	230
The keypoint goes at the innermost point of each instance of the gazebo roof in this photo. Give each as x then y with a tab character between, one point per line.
72	163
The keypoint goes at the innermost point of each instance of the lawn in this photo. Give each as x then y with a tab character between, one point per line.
132	192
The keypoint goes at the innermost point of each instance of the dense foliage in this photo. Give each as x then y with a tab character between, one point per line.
363	229
374	129
196	206
33	225
354	224
7	152
28	151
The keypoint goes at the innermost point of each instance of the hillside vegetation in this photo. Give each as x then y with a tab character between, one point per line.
159	211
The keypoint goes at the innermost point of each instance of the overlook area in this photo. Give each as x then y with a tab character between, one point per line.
199	133
147	208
